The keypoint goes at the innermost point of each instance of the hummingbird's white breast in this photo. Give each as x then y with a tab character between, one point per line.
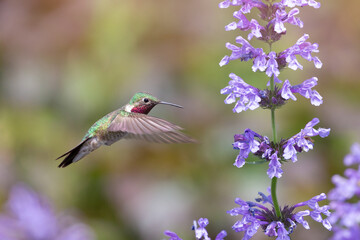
128	107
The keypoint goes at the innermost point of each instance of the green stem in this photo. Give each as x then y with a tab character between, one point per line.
274	179
274	197
273	125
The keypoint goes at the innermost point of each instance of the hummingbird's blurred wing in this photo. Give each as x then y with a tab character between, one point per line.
144	127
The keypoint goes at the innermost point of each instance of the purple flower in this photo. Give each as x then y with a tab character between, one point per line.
244	24
256	215
260	60
303	49
246	143
317	211
244	53
247	94
274	167
290	152
272	65
200	232
304	89
31	217
302	141
281	17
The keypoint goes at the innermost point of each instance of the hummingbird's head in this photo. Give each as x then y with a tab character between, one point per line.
143	103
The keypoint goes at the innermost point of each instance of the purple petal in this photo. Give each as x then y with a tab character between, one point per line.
172	235
299	218
221	235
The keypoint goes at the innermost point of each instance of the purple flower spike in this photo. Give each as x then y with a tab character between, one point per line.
344	199
30	216
347	187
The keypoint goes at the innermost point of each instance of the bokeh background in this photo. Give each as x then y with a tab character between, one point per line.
66	63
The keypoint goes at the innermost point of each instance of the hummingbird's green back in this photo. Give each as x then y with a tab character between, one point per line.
100	125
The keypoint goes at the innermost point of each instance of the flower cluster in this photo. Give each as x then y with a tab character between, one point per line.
272	63
30	217
200	232
256	215
249	97
345	199
252	142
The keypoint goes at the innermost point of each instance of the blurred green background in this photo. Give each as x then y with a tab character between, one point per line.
66	63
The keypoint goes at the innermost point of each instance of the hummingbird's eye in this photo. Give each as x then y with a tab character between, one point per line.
146	100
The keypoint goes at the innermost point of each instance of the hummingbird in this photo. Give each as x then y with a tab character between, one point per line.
128	122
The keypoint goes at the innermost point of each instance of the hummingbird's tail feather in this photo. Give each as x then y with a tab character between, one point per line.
71	155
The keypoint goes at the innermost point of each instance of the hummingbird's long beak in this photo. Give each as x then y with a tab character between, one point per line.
171	104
